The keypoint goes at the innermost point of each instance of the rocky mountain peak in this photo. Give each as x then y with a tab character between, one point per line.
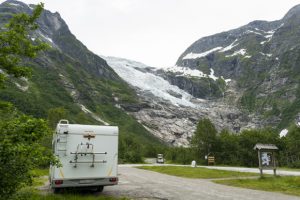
15	4
292	13
50	23
54	30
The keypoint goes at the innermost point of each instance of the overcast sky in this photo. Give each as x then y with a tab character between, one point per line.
156	32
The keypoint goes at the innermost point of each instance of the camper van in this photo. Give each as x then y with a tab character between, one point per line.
160	159
88	156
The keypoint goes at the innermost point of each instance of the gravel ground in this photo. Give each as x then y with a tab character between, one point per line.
142	184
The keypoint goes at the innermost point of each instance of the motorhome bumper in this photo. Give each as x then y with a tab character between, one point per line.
63	183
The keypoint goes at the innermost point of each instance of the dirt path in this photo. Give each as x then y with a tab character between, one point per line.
142	184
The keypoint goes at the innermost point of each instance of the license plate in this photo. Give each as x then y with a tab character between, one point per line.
86	181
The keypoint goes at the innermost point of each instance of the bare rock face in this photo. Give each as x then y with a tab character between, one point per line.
177	124
169	123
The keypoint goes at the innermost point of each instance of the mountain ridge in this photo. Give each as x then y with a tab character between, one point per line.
254	58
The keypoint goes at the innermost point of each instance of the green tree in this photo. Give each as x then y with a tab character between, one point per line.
292	146
179	155
248	139
130	150
20	151
56	114
20	135
228	150
15	44
204	139
7	111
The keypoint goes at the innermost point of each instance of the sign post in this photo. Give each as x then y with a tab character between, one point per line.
210	159
266	157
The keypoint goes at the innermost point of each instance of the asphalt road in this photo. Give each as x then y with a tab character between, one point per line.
256	170
142	184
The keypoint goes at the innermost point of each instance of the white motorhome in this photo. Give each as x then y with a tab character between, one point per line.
88	155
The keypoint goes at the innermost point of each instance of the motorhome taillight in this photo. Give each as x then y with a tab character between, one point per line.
115	179
58	182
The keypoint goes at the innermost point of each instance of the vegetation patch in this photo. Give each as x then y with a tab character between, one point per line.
39	179
289	169
287	185
199	172
33	194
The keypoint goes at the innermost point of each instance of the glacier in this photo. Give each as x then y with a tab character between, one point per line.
132	72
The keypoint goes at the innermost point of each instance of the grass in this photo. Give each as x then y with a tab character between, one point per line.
40	172
189	172
289	169
40	177
32	193
39	181
288	185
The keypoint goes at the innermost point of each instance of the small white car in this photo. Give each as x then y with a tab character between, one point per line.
160	159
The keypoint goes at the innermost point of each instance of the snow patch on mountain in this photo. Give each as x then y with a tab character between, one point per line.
266	54
200	55
96	117
14	4
23	88
263	42
212	75
48	39
188	72
255	32
230	46
283	133
185	71
205	53
31	6
269	34
242	52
